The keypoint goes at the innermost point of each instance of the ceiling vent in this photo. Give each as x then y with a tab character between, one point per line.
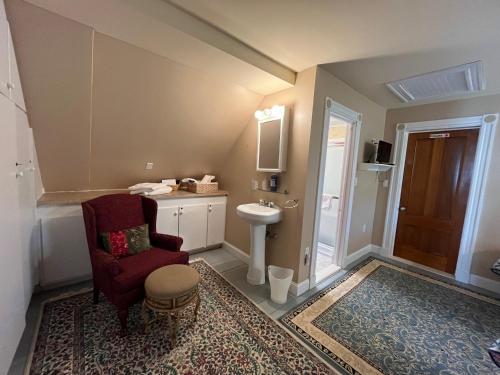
454	81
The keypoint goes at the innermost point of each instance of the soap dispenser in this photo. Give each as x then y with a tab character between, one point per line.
273	184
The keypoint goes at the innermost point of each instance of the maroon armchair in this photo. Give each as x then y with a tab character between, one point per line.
122	280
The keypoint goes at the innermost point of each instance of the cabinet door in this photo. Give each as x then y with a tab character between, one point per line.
16	91
26	202
12	310
167	220
193	226
4	56
216	223
64	249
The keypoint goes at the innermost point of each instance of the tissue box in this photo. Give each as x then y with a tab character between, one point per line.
199	188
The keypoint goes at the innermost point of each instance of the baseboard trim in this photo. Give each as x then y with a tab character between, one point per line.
237	252
296	288
370	248
299	288
483	282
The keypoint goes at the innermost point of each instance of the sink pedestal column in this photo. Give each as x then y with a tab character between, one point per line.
257	267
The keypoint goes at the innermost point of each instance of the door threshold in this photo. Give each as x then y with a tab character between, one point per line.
326	273
423	267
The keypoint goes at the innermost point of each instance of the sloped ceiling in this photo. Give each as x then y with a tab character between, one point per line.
101	108
365	43
168	31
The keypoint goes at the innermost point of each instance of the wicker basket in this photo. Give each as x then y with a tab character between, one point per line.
211	187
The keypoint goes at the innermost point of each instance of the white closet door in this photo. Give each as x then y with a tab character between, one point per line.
4	55
26	202
167	221
16	91
193	226
12	311
216	223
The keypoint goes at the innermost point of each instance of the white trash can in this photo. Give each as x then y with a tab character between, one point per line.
280	279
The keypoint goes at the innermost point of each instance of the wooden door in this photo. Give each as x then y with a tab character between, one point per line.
436	182
193	226
216	223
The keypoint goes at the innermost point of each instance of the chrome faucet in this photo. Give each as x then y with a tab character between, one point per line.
265	203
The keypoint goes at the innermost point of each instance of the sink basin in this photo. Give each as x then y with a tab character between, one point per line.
258	217
254	213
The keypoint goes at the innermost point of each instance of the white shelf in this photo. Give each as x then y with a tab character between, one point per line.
374	167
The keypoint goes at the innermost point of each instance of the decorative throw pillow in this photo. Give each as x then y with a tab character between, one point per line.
138	238
127	241
115	243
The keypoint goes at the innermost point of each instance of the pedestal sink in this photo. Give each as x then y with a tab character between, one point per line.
258	216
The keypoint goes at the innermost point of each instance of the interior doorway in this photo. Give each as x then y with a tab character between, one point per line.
436	183
426	240
335	189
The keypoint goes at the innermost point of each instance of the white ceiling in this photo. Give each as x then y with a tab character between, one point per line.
365	42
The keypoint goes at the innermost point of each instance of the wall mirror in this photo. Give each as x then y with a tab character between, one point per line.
272	139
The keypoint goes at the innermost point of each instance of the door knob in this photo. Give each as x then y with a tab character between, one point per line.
402	208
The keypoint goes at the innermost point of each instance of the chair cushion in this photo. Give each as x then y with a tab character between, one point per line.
171	282
137	267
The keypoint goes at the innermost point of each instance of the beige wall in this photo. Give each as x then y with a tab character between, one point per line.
101	108
240	169
488	243
307	100
54	57
365	192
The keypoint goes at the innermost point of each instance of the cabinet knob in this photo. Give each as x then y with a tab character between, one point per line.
175	213
19	174
402	209
10	86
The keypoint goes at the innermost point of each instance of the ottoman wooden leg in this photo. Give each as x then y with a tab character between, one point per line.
197	307
172	322
145	317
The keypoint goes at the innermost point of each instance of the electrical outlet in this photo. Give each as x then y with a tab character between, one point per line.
149	165
386	183
363	228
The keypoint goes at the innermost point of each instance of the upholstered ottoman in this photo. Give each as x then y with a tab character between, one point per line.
169	290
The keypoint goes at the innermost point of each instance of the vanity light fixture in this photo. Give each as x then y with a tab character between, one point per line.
276	111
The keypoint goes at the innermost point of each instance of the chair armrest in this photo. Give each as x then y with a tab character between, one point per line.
165	241
105	262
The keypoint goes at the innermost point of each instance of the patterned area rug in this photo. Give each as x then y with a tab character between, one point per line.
382	319
231	336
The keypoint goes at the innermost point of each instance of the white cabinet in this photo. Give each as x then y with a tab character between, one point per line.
26	202
15	89
199	221
65	255
193	225
167	221
4	56
12	306
216	223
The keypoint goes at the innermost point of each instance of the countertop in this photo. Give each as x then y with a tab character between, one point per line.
77	197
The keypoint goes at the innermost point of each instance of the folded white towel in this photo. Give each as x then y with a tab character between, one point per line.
165	190
147	186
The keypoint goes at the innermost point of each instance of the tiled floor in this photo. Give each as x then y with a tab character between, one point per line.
232	268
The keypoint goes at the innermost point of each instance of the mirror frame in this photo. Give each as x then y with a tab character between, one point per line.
268	115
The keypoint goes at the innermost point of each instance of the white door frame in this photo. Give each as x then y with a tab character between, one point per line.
349	182
487	126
